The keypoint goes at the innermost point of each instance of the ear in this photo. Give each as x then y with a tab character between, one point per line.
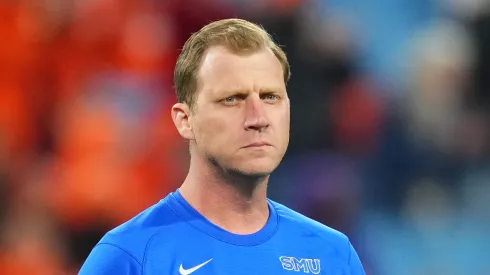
180	115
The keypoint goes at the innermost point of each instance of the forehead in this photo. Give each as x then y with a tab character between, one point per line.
223	70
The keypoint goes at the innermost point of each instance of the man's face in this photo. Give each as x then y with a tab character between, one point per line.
241	117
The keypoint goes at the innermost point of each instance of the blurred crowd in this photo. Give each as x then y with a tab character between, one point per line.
390	134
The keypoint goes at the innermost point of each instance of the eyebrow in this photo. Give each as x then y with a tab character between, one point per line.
272	91
262	91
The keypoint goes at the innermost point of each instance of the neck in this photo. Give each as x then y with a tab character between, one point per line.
233	202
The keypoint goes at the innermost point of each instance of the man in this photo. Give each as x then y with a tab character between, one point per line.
233	110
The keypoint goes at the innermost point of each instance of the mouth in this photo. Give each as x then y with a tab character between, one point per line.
258	144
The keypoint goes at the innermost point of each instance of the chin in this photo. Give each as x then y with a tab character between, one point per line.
257	168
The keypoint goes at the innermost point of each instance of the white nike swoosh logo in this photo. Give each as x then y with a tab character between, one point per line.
191	270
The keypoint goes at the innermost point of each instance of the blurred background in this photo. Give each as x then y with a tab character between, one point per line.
390	131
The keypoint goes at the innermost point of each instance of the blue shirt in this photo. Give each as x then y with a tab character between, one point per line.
171	237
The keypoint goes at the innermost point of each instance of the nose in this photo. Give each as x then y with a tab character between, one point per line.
256	118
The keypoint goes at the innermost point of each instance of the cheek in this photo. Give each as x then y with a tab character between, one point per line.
212	131
283	120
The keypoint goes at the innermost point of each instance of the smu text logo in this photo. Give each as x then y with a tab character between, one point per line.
305	265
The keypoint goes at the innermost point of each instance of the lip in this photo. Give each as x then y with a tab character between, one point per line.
257	144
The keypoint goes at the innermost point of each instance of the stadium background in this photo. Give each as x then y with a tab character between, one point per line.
390	124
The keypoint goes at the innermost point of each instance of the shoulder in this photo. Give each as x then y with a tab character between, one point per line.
294	221
122	250
133	236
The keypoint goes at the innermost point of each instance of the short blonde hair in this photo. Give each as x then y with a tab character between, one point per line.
237	35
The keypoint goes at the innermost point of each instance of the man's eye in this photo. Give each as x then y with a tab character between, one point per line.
270	97
230	99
